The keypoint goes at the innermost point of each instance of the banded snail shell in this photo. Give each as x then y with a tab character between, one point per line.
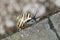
22	19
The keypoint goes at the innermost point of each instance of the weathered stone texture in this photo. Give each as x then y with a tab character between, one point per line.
56	22
40	31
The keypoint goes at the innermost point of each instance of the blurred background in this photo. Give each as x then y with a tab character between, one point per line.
10	9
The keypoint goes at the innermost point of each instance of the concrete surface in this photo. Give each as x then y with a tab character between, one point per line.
56	22
48	27
40	31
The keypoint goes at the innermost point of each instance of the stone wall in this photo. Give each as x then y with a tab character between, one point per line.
46	29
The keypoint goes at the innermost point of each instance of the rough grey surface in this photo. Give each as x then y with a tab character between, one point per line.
7	38
48	27
56	22
40	31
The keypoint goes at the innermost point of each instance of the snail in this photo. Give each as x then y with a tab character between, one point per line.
25	19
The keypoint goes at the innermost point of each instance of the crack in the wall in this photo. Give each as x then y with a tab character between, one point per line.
50	22
53	29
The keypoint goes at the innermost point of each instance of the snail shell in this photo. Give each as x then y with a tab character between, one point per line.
22	19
